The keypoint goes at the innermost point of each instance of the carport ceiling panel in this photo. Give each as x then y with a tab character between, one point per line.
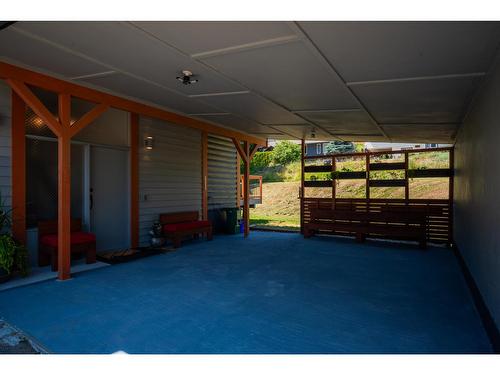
337	117
355	121
303	131
236	122
289	74
200	37
142	90
32	52
276	136
363	137
363	51
127	48
422	101
422	133
253	107
352	129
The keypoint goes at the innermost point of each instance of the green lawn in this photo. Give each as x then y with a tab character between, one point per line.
281	222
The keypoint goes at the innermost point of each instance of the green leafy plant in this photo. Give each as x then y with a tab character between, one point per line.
13	256
261	160
7	253
286	152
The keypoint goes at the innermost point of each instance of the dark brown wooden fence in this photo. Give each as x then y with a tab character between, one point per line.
439	212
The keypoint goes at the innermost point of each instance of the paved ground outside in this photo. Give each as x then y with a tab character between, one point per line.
12	341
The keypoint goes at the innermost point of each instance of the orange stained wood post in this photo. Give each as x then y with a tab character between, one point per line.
64	189
18	169
407	184
204	175
246	191
367	176
134	180
238	180
302	178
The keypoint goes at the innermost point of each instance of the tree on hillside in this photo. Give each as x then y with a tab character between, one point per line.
339	147
286	152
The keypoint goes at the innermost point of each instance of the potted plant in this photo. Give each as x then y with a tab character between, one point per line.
13	256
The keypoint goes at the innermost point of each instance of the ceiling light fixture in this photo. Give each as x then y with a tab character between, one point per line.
313	133
187	78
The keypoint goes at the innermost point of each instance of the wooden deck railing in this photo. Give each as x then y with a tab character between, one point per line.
439	223
255	183
439	212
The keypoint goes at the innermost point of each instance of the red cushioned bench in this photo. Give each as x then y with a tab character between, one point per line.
178	225
81	242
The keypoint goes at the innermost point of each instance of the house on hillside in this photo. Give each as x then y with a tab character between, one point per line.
386	146
314	148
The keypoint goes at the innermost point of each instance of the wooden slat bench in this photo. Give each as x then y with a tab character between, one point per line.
397	224
81	243
179	225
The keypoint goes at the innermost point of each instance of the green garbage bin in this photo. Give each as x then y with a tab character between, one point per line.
231	225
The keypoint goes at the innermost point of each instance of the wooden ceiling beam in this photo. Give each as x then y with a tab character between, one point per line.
15	73
88	118
241	151
253	151
36	105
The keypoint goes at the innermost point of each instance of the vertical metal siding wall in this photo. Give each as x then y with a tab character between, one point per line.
5	144
170	174
221	172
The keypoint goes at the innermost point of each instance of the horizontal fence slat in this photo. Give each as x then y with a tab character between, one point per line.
349	175
386	166
318	183
436	172
318	168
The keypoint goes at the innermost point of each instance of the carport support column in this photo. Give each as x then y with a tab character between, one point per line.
302	178
18	169
134	180
246	191
64	189
246	154
204	175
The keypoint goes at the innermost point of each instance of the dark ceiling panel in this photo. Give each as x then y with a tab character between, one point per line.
363	51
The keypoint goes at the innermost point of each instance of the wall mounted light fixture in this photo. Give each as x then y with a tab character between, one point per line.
148	142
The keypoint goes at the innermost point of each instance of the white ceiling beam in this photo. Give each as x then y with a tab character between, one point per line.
247	46
209	114
411	79
420	123
95	75
218	94
306	111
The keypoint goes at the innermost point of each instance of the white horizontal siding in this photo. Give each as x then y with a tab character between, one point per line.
170	174
221	172
5	144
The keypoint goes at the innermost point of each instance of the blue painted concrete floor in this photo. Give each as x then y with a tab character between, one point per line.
270	293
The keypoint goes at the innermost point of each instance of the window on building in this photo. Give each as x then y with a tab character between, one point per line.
319	148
